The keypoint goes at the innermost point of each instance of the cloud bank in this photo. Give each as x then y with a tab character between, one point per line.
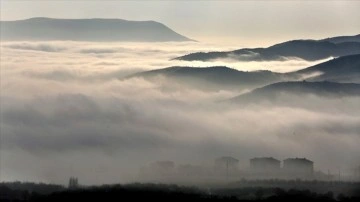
64	113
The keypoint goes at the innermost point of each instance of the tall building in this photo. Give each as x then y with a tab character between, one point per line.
226	162
264	168
226	166
73	183
265	165
298	167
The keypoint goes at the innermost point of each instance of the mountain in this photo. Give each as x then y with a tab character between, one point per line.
88	30
342	69
279	92
304	49
342	39
212	78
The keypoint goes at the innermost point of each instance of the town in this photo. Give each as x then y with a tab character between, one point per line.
227	169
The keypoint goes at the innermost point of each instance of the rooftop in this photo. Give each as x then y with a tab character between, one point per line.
299	159
264	159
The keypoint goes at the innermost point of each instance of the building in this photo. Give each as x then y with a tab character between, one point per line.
226	166
73	183
265	165
226	162
264	168
298	168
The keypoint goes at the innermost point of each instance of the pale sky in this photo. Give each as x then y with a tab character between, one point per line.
240	22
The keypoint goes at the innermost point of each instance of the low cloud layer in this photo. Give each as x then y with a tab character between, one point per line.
98	58
65	113
45	47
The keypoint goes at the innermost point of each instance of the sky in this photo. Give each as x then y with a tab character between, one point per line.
245	23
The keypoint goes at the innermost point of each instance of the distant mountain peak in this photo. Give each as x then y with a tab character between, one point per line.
306	49
342	39
341	69
211	78
94	29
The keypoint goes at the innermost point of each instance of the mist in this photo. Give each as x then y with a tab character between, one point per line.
66	112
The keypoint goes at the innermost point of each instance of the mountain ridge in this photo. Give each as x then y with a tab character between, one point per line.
215	78
273	92
92	29
343	69
306	49
341	39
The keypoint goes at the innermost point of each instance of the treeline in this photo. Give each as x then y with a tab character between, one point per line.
162	192
25	191
158	192
279	194
40	188
337	187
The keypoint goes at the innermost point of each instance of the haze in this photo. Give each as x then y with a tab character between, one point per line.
75	108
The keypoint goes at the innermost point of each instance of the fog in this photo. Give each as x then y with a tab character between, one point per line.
65	112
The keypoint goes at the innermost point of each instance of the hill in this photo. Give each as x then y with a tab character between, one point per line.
212	78
342	69
342	39
283	90
310	50
88	30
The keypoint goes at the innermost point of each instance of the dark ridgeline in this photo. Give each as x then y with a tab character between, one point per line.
283	92
343	69
42	29
26	191
342	39
246	191
304	49
41	188
211	78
